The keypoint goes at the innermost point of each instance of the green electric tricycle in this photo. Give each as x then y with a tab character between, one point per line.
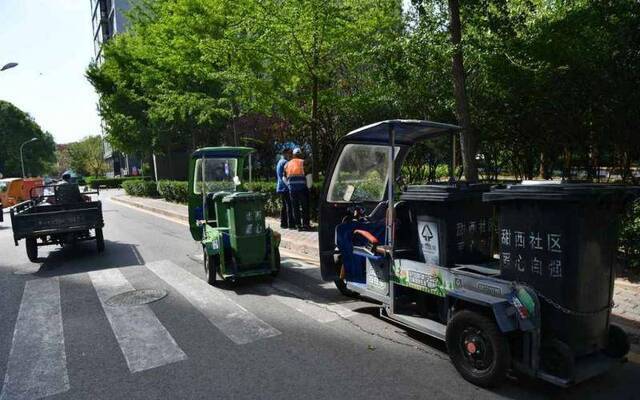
226	219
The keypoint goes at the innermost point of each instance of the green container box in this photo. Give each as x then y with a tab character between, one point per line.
247	231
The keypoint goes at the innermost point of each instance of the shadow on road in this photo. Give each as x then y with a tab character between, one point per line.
83	257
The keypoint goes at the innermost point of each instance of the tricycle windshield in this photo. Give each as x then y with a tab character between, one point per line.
361	174
219	174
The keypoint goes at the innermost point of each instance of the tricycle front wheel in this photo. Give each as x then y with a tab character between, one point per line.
99	240
32	249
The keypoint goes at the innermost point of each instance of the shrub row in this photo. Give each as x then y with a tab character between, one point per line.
140	188
176	191
96	182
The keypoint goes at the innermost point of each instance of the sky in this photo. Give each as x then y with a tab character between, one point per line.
51	40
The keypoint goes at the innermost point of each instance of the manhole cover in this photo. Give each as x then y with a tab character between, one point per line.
136	297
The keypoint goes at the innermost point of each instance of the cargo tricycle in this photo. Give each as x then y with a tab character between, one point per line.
57	214
227	220
514	278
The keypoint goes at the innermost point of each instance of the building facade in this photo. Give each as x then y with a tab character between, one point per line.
108	18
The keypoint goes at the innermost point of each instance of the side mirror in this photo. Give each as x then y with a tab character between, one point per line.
236	180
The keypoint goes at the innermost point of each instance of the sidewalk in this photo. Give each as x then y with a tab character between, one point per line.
305	243
626	295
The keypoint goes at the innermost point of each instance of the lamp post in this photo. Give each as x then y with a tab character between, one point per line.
9	65
21	159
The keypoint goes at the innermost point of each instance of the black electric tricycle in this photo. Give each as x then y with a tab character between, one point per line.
512	278
57	215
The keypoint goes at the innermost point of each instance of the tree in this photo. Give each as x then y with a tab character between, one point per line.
16	127
87	156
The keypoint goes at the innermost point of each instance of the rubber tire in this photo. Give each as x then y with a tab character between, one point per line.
341	284
618	344
277	263
211	266
99	240
32	249
502	352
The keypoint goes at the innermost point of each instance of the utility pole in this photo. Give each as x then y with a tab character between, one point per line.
21	158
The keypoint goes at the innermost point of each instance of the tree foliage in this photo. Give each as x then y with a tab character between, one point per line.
86	157
552	87
17	127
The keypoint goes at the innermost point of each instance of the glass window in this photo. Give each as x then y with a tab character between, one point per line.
361	174
218	174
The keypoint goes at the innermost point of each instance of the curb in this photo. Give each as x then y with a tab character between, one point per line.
289	244
156	210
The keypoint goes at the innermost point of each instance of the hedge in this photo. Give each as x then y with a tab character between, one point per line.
140	188
630	236
176	191
111	183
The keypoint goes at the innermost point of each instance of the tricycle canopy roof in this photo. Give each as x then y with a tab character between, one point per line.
222	152
407	131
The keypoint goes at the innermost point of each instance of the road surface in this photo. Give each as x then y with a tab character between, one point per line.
294	337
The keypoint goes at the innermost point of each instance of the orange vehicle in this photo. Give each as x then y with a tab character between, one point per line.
16	190
27	185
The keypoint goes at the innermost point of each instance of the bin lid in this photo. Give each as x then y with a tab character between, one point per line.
563	192
243	196
444	192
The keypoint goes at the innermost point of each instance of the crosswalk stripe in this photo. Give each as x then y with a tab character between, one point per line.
301	295
237	323
37	364
144	341
306	307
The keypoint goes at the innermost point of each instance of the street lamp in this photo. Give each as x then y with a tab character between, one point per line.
9	65
21	159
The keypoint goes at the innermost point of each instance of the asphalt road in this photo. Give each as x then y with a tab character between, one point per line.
294	337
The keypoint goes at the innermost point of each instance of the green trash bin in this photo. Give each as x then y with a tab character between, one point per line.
247	232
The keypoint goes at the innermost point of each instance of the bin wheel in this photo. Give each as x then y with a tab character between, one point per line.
32	249
99	240
618	344
341	284
556	358
211	266
275	272
478	350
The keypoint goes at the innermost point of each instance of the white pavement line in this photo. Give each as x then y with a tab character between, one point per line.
311	300
144	341
308	308
237	323
37	365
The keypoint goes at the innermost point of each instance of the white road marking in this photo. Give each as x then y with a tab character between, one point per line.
144	341
237	323
37	365
312	301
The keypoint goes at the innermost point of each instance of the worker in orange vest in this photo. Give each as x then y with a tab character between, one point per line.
297	182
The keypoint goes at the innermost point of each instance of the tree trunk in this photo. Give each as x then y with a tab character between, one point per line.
467	137
314	129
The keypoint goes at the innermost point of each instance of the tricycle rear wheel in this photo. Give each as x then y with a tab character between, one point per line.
99	240
276	271
478	350
211	266
32	249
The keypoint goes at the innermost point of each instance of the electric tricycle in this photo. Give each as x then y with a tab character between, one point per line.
228	221
511	278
